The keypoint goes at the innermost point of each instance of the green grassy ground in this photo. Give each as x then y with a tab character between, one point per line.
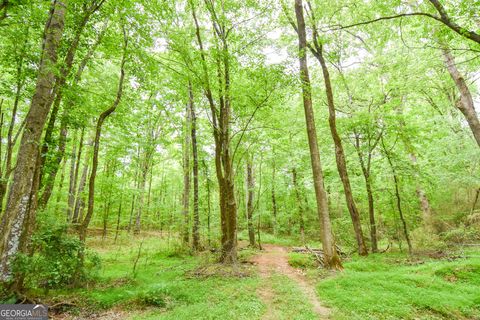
169	283
390	286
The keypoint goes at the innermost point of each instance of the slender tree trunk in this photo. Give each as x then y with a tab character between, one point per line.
74	177
340	156
209	208
365	165
331	258
274	200
22	186
117	229
196	216
72	183
79	197
250	203
96	144
141	196
301	209
398	197
186	175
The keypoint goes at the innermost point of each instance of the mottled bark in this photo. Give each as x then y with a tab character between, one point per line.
22	185
331	258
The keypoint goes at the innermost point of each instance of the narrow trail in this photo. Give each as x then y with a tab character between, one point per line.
274	260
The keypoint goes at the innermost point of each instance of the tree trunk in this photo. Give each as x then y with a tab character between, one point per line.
186	175
74	177
465	104
250	203
51	165
331	257
196	217
207	182
368	185
96	144
141	196
301	209
117	229
13	220
274	200
221	118
398	197
340	155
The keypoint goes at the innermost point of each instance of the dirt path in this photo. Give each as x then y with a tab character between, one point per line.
274	259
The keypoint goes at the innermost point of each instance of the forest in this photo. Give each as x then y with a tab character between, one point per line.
227	159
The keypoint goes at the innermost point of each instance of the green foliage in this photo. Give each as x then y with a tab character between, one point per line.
56	261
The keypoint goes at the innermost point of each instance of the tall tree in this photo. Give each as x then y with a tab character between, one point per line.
96	143
331	258
20	193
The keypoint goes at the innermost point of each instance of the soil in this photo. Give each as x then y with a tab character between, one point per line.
274	260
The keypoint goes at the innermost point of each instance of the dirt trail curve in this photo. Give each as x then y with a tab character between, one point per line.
274	259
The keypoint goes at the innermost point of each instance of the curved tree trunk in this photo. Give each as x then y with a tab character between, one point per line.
96	144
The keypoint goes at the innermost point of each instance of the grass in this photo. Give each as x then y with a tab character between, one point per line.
163	285
389	286
171	283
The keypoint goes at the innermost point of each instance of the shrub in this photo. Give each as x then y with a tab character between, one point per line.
56	261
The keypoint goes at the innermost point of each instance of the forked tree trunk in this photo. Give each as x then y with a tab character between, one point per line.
22	186
331	258
340	154
221	122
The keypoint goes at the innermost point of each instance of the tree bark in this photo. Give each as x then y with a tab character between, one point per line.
398	198
221	118
196	216
96	143
366	170
331	257
339	152
51	164
186	175
274	199
250	203
19	196
465	104
74	179
300	206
